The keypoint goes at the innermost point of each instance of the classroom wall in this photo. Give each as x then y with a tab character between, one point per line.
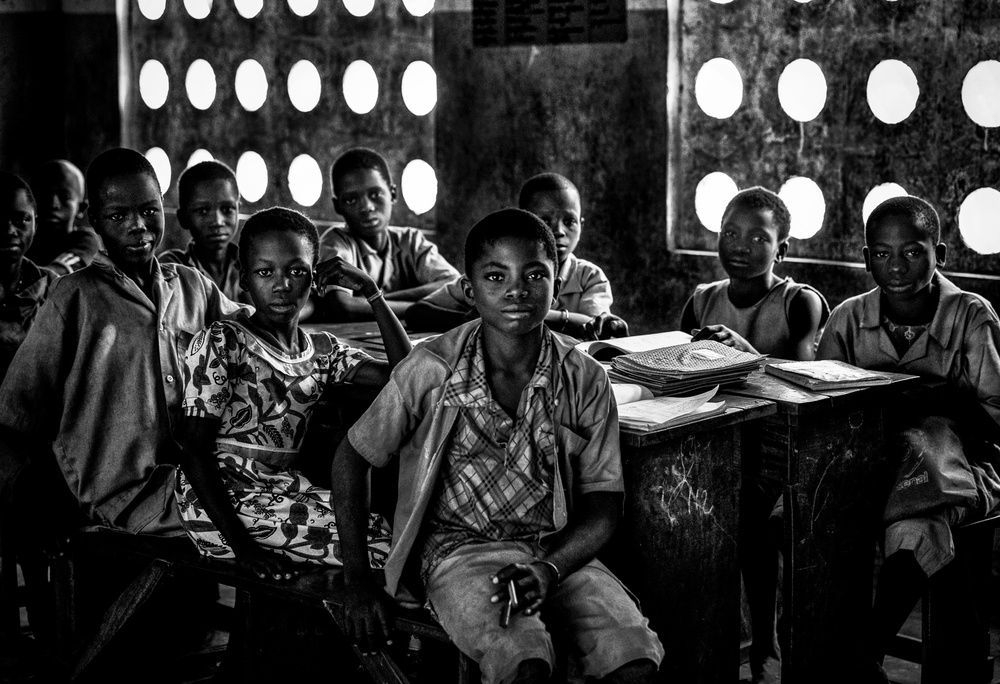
598	114
59	70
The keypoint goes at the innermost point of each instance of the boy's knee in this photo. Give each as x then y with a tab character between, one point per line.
634	672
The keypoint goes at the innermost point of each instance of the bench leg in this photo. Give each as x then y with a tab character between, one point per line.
379	666
120	612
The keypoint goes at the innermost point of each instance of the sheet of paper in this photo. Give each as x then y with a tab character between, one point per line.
626	393
663	409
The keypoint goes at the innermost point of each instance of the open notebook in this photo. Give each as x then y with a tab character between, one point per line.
639	410
604	350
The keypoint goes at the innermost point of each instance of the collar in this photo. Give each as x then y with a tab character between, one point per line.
232	253
468	384
941	326
367	250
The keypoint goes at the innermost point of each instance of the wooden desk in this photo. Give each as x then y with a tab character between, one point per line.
676	548
829	449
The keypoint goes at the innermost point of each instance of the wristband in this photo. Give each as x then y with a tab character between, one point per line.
375	296
551	566
564	319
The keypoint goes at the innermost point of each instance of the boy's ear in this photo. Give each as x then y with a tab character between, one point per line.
182	219
470	296
392	192
244	281
941	253
782	251
81	210
336	205
868	258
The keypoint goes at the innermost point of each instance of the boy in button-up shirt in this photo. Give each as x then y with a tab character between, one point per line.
510	473
98	379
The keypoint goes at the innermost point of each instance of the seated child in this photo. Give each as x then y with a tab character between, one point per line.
756	311
210	210
583	306
251	385
403	263
917	321
98	376
59	244
510	472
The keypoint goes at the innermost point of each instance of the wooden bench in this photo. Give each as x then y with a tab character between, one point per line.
318	590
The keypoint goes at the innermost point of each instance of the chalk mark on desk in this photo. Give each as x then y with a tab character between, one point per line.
679	498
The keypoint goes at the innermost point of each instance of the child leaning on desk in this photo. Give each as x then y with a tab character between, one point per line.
581	308
917	321
510	473
756	311
251	385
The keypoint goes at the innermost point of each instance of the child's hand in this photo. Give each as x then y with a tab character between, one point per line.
266	564
336	271
533	581
606	325
723	335
366	616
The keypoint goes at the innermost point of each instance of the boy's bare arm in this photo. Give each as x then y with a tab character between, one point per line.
414	294
688	321
366	614
593	523
805	312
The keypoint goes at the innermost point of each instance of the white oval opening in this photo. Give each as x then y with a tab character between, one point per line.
153	84
198	156
251	176
713	193
305	180
200	84
892	91
359	8
981	93
304	85
718	88
419	186
360	87
303	8
249	9
419	88
418	8
161	165
802	90
877	195
152	9
805	203
251	85
198	9
979	220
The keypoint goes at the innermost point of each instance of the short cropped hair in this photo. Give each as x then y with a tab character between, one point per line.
543	182
54	169
276	219
919	212
359	158
9	185
761	198
120	161
201	173
506	224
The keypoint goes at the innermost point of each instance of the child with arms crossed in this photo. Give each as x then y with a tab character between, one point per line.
403	263
510	472
917	321
582	307
756	311
251	385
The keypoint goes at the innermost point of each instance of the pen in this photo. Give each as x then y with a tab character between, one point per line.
511	604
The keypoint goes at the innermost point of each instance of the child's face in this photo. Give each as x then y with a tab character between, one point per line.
560	209
365	201
748	243
902	257
17	216
60	200
278	276
127	213
212	214
512	285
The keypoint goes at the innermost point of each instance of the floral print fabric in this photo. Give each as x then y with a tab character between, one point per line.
264	399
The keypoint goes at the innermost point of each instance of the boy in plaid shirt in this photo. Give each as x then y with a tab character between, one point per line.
510	470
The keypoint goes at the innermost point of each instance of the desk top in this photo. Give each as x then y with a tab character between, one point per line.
791	398
739	409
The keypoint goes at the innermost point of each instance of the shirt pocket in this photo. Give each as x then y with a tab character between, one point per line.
570	443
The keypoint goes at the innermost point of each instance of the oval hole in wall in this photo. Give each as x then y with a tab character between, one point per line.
360	87
419	186
979	220
981	93
877	195
419	88
892	91
802	90
153	84
718	88
805	203
711	197
251	176
251	85
161	165
200	84
305	180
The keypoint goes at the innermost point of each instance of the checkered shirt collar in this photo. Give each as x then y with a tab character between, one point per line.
468	384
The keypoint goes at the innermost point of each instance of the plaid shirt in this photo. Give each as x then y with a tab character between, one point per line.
497	474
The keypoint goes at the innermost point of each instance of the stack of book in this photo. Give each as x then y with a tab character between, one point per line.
649	414
827	375
685	368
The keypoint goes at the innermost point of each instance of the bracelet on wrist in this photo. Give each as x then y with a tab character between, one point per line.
551	566
563	320
378	293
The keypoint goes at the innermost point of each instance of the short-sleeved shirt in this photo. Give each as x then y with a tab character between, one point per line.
763	324
100	377
496	479
408	260
68	253
411	417
262	396
961	345
584	290
230	284
19	308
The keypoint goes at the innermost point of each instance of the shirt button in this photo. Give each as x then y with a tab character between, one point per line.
170	379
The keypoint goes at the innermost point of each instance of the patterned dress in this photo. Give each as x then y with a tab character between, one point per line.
264	399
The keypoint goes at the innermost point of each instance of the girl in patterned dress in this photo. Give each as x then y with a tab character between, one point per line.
250	387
